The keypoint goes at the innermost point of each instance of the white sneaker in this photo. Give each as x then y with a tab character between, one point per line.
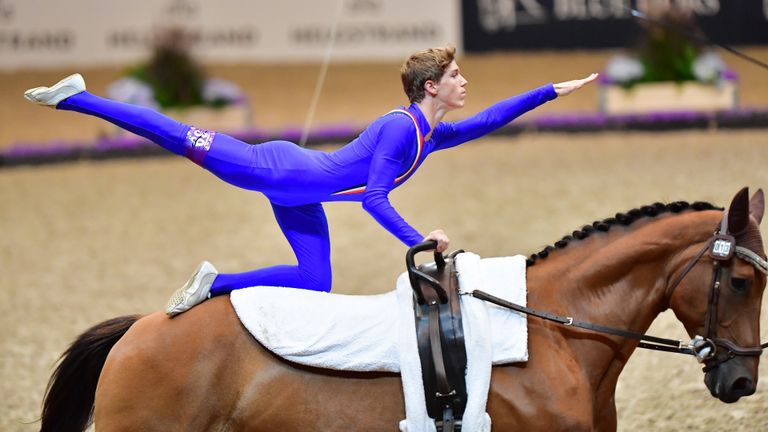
51	96
194	292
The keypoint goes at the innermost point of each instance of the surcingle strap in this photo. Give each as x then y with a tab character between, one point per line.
441	345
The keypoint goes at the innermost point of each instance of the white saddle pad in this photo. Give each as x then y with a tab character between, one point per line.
360	333
333	331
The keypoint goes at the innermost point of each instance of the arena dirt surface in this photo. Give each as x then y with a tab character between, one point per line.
88	241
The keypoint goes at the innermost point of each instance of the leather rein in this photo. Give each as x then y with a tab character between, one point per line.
708	349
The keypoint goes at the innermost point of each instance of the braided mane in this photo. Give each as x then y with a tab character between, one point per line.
622	219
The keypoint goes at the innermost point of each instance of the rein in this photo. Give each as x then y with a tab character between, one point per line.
654	343
722	248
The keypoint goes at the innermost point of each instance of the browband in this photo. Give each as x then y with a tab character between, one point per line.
756	260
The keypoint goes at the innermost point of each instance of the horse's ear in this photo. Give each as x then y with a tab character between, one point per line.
757	205
738	212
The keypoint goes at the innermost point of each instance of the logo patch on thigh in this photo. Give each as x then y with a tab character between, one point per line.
198	143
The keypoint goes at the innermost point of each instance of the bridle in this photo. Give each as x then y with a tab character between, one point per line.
708	349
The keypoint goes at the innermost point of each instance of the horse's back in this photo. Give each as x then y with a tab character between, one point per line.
202	371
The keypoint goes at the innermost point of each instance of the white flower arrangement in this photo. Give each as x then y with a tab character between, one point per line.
708	67
216	92
133	91
623	69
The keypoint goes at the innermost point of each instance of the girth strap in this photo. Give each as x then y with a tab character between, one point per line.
440	340
436	348
441	377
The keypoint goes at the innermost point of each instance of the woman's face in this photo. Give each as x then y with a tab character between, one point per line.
451	88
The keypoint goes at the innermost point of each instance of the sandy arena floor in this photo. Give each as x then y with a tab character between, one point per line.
89	241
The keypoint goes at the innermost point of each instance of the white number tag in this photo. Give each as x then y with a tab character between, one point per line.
722	247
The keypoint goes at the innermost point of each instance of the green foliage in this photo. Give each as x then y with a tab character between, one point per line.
666	54
669	59
174	76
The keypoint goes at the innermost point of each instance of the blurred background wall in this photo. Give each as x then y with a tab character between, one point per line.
82	33
274	51
42	33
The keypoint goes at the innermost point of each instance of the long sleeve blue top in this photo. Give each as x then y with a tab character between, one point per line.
380	159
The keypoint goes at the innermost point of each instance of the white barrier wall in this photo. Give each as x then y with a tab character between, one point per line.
61	33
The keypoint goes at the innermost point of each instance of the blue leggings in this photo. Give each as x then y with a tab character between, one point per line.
305	226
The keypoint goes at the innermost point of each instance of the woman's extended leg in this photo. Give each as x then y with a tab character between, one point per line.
69	94
230	159
172	135
306	229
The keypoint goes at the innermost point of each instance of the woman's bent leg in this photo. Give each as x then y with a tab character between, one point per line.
306	229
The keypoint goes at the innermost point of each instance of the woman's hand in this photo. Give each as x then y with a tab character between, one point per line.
568	87
441	239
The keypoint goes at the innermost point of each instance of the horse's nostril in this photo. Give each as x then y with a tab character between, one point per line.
743	386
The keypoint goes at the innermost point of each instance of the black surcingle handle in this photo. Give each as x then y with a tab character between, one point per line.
415	274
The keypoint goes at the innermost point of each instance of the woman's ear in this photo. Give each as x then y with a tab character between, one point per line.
430	88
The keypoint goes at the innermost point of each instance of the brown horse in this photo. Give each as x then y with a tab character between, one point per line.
203	371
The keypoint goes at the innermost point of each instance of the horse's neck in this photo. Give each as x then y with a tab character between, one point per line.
618	279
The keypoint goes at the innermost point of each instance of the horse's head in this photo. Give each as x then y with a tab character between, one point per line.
717	295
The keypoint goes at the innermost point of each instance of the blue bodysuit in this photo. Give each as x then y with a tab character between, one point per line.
297	180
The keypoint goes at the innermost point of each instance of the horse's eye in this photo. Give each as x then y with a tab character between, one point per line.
740	284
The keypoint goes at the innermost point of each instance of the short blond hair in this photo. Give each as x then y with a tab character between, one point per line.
424	66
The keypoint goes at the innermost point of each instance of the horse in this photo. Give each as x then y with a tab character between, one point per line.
202	371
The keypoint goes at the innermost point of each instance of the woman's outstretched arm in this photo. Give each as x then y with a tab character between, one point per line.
503	112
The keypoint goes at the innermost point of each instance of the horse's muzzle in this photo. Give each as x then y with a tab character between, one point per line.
730	381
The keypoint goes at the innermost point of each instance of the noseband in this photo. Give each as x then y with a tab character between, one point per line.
711	349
